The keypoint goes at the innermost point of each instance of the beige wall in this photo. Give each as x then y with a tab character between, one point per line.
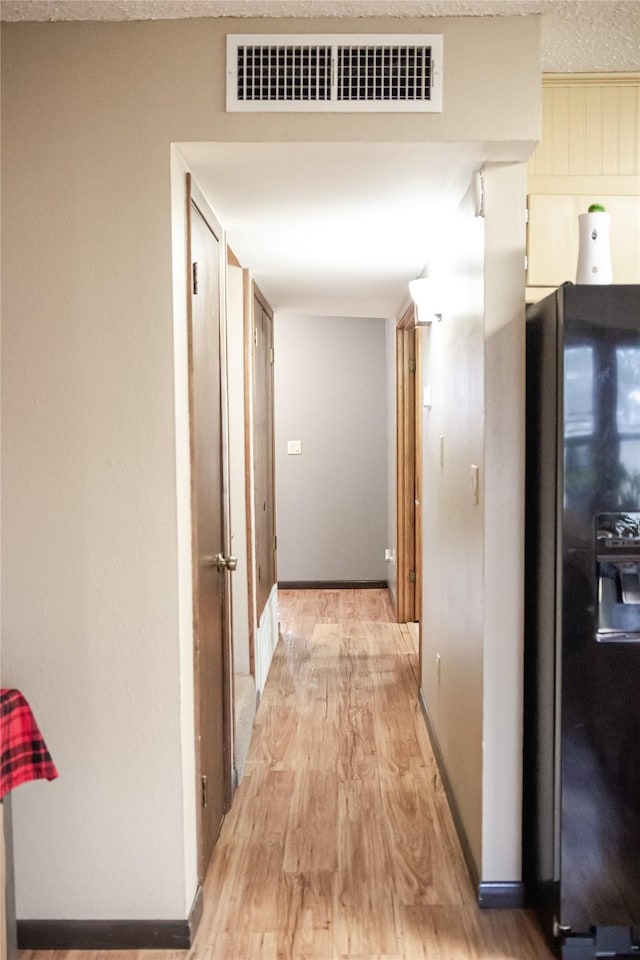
502	483
96	576
453	525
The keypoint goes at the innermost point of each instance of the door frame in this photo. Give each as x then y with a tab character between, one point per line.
247	288
252	293
268	549
409	471
195	195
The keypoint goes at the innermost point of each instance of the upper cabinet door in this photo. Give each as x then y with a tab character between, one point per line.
552	238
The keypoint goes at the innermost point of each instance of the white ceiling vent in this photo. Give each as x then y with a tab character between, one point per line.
337	72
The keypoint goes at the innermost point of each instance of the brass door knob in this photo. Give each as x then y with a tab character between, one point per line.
221	562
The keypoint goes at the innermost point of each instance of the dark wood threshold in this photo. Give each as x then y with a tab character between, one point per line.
332	585
104	935
511	895
111	934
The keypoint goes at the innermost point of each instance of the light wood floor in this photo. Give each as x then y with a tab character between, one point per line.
340	844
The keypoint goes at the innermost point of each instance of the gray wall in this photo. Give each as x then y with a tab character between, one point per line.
330	393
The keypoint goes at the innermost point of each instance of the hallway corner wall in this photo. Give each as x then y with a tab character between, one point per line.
473	360
504	439
179	170
452	523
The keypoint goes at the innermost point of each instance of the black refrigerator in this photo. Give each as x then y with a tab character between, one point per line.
582	620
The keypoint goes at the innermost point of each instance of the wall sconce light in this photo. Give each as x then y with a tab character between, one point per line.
424	295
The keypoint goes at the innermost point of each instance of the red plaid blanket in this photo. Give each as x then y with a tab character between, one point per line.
23	752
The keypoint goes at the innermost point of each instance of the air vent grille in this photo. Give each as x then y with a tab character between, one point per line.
397	74
283	73
339	72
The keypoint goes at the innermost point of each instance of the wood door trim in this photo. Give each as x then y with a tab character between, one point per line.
405	473
269	311
195	568
263	300
247	289
418	494
408	483
400	500
195	198
232	260
264	528
407	320
227	623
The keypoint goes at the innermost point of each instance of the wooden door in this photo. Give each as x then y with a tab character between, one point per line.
208	524
263	438
408	474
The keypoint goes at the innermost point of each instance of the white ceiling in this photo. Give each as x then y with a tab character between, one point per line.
338	229
335	229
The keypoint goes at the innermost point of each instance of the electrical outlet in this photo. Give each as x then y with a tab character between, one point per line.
294	447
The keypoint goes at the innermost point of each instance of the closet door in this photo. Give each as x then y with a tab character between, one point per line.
264	480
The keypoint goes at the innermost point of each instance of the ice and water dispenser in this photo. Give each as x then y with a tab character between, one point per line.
618	569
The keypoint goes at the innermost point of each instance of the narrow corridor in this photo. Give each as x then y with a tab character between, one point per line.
340	843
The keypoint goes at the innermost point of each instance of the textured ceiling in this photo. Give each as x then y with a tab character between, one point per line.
577	35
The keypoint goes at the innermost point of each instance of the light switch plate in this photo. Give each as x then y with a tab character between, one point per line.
475	483
294	447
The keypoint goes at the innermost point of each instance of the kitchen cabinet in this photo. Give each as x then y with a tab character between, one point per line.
552	237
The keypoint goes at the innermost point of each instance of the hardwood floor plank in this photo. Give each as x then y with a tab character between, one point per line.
406	642
239	889
310	918
437	933
365	919
245	946
508	935
310	843
421	858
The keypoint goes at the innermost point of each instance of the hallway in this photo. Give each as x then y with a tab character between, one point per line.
340	843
